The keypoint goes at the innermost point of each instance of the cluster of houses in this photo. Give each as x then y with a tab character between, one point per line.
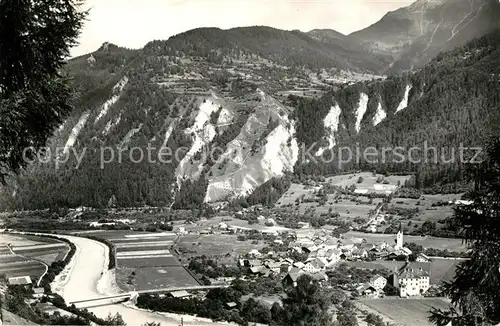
324	252
410	280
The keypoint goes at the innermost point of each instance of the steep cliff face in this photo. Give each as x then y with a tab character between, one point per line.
265	148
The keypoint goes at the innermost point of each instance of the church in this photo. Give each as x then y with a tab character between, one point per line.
399	247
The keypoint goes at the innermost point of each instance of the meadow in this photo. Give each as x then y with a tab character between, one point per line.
215	245
407	312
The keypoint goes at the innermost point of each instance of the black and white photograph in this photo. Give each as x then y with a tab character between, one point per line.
250	162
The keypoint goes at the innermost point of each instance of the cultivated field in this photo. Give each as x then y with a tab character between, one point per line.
426	210
369	182
154	278
146	261
47	253
408	312
294	192
443	270
17	240
32	269
368	185
215	245
24	255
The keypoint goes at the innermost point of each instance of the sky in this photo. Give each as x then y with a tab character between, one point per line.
133	23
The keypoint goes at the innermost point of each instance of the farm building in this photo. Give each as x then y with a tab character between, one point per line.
256	269
20	280
38	292
361	191
291	278
254	253
359	253
378	282
366	289
179	294
423	258
232	305
270	222
316	265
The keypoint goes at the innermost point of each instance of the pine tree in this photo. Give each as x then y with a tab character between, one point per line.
475	289
35	39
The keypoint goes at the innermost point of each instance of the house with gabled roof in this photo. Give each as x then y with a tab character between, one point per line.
422	258
315	265
378	282
366	289
359	253
291	277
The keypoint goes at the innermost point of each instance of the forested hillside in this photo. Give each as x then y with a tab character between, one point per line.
255	95
286	48
454	100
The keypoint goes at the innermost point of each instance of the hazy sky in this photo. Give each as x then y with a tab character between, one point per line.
133	23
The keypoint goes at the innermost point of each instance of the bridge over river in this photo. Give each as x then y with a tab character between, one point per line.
114	299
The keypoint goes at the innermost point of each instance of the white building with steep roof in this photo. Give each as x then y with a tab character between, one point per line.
413	279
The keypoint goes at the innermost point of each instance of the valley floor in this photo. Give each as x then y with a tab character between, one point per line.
82	279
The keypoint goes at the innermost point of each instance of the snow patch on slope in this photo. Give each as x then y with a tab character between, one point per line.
380	115
117	90
404	101
361	110
75	132
331	123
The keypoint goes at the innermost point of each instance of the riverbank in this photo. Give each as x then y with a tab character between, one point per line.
87	276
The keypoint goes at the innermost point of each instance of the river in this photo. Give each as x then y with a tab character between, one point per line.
86	277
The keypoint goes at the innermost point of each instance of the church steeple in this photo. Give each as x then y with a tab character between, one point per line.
399	237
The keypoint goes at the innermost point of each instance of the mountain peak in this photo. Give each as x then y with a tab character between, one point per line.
106	46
